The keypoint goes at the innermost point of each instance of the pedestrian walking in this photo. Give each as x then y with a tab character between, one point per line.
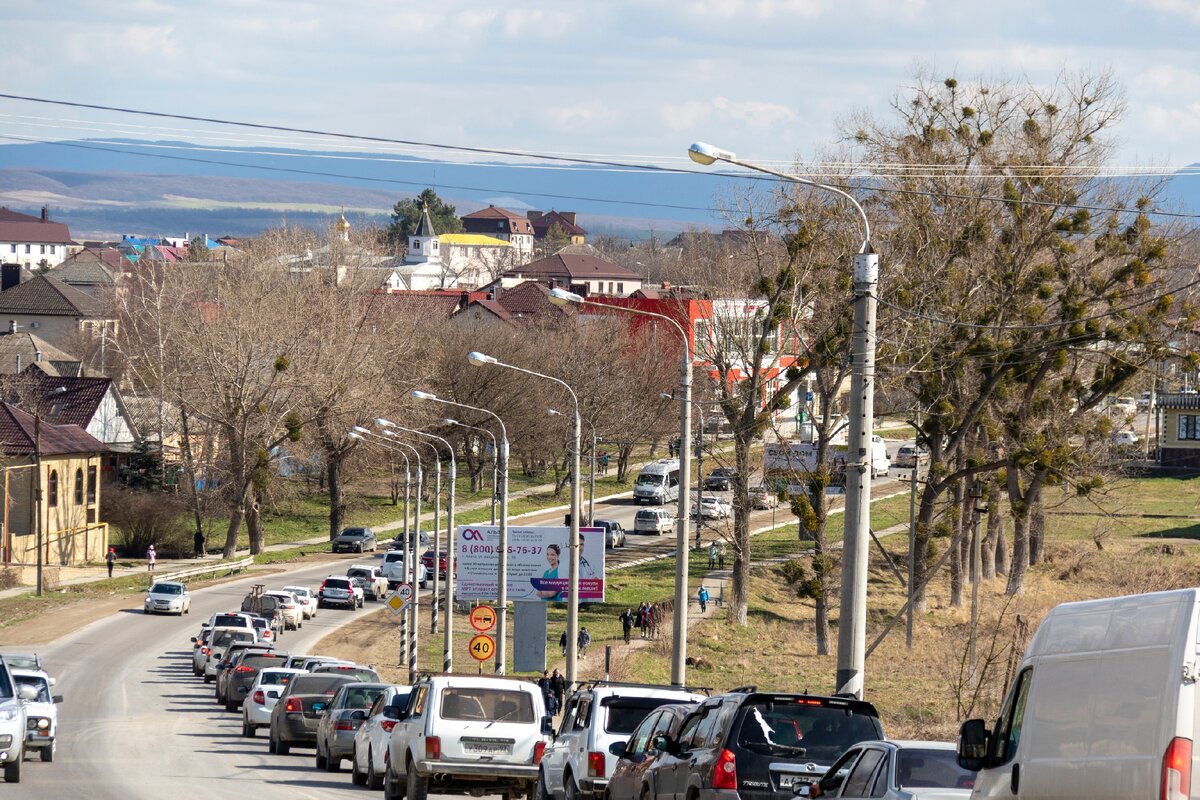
643	619
151	557
198	541
110	558
547	691
712	555
652	620
583	641
720	555
604	463
626	618
558	685
702	596
562	643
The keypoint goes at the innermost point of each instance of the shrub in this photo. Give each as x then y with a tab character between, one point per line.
141	519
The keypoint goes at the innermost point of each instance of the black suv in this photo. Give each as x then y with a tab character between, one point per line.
751	745
720	480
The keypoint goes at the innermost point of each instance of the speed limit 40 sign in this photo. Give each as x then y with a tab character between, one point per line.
482	647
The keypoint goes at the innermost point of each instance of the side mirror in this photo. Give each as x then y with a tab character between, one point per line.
58	698
391	712
663	742
973	745
27	692
547	726
194	640
358	714
617	749
803	789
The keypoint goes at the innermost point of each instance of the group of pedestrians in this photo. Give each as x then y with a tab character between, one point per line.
554	689
583	640
716	554
647	618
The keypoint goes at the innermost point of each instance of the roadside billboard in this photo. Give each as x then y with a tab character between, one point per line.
538	563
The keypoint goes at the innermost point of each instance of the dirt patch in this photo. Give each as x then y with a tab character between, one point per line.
73	610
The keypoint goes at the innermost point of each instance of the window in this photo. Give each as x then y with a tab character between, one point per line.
79	487
641	737
1008	731
620	288
838	772
43	249
51	249
707	727
28	248
91	485
435	244
860	777
1189	427
52	489
416	244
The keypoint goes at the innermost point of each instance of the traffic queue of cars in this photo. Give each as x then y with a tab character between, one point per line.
28	713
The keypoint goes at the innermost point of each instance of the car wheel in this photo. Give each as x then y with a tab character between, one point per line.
322	761
247	729
540	791
357	777
332	764
12	770
391	786
374	780
282	748
207	678
271	747
49	752
570	790
230	706
418	787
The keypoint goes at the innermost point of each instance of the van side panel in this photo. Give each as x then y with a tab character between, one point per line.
1105	696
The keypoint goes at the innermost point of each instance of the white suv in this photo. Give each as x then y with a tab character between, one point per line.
652	520
579	760
467	735
393	569
41	713
372	573
12	723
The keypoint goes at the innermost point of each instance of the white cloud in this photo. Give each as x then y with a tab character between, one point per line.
760	9
573	118
755	115
1169	78
1172	124
1183	8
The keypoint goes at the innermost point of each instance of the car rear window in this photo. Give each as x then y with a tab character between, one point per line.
337	583
492	705
317	684
803	727
361	674
363	697
273	678
917	768
225	637
626	713
230	621
259	661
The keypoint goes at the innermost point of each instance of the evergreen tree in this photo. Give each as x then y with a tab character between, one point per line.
406	215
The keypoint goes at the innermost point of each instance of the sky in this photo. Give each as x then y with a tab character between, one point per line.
635	81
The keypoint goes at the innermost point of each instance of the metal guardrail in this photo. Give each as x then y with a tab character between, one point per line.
214	566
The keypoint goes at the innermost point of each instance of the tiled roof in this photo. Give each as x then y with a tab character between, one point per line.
17	227
17	432
542	225
49	297
26	346
86	271
76	403
491	306
493	219
574	266
526	299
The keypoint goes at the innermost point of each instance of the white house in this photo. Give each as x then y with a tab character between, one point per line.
29	241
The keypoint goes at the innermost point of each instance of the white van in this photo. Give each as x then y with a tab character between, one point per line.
1103	706
658	482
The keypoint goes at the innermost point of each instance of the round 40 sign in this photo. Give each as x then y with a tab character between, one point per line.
482	647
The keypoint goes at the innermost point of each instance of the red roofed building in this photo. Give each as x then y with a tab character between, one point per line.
29	241
524	303
565	220
580	273
67	459
503	224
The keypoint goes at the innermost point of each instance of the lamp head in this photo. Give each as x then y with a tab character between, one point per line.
419	395
554	412
448	421
384	423
355	435
480	359
360	429
706	154
666	395
561	297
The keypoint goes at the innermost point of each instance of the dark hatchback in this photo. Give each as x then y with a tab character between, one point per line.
751	745
355	540
720	479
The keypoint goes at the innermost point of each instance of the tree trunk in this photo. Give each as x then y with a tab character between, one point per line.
1001	548
189	470
959	498
739	606
236	514
926	510
1020	554
1037	531
258	538
821	558
337	492
623	454
995	524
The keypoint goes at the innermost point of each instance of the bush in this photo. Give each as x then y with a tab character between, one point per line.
141	519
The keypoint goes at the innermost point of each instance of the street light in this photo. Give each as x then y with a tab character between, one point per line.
852	632
502	578
479	360
591	471
679	649
495	457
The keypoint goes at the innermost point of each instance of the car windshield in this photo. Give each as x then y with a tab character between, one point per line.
362	696
354	533
43	688
649	480
492	705
317	684
816	732
919	768
6	689
626	713
166	588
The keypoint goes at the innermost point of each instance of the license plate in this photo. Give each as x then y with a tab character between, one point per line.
489	749
788	781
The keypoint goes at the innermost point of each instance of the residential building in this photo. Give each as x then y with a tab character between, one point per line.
565	220
503	224
65	461
585	275
33	242
528	302
22	349
1180	429
93	404
93	271
58	313
473	259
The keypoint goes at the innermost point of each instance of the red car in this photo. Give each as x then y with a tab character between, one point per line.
427	560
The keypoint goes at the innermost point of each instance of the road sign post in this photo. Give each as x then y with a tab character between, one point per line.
482	647
483	618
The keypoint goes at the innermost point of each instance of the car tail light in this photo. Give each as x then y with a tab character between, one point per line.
433	747
595	765
387	725
539	750
204	651
243	669
725	773
259	697
343	725
1177	770
294	704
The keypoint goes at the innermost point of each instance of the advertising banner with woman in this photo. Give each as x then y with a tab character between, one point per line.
538	563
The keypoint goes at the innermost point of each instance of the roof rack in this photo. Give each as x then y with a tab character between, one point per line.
600	682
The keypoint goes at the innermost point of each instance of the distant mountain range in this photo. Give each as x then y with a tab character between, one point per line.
102	190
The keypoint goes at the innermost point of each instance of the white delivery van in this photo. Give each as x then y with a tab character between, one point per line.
658	482
1103	706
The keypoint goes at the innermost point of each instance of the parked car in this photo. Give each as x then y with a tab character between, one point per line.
906	770
614	534
200	651
720	480
356	671
355	540
630	778
443	560
309	663
652	520
307	599
219	641
41	712
245	671
404	542
371	738
230	619
1125	439
393	568
467	735
268	630
763	497
377	584
260	700
1145	399
339	591
710	507
765	740
167	597
339	723
299	708
910	456
579	759
290	609
12	723
230	662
